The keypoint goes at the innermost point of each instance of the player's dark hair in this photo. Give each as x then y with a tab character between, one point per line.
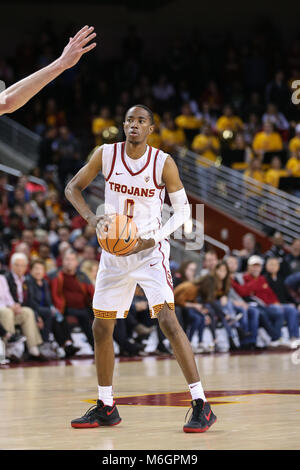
150	113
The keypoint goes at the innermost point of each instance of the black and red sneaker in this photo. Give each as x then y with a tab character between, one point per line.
202	417
98	415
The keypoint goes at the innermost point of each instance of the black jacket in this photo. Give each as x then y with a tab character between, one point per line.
35	296
279	288
13	289
280	254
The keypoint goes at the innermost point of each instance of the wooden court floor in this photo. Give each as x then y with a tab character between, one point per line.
256	399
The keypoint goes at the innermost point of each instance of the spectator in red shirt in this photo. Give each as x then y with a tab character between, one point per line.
257	289
72	293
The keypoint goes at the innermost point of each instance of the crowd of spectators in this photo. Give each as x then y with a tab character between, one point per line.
245	290
49	261
226	99
229	101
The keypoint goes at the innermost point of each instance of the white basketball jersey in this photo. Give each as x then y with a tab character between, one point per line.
134	187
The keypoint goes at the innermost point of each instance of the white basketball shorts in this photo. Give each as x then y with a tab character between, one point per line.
118	276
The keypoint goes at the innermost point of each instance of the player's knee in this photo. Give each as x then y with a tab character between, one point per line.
102	329
168	322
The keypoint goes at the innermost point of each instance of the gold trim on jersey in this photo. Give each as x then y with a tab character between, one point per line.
157	308
108	314
105	314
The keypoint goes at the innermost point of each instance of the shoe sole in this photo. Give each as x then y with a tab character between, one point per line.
194	430
93	425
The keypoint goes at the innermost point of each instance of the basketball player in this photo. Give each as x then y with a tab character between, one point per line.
136	179
19	93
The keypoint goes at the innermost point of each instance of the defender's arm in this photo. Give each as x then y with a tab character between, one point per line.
18	94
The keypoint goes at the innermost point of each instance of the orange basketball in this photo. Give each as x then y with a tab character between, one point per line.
121	235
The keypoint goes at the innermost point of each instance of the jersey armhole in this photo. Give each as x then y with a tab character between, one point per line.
105	165
158	186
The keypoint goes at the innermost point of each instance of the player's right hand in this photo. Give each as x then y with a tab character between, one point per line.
102	224
75	47
94	220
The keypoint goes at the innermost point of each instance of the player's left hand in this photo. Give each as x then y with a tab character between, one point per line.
77	46
142	244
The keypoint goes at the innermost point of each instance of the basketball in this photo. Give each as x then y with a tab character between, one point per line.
120	236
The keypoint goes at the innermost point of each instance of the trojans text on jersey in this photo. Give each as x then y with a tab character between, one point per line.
134	191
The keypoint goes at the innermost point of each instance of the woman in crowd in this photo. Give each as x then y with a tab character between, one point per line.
41	302
236	312
195	299
186	272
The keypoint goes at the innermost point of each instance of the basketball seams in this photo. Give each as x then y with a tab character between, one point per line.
110	244
120	235
128	246
107	247
103	242
100	243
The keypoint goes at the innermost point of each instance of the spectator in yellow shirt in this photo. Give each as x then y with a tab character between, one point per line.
157	119
275	172
100	123
171	136
228	121
187	120
293	165
255	172
267	140
206	144
294	144
240	149
154	139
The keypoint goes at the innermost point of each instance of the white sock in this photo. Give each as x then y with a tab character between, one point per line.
197	391
105	394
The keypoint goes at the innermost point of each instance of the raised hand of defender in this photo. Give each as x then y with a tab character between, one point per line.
76	47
